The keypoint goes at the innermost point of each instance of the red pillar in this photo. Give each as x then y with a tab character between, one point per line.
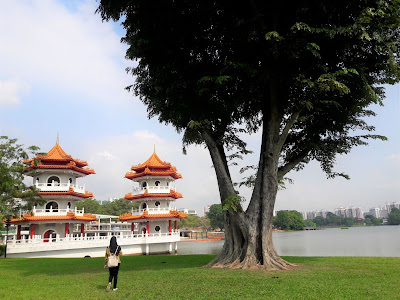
83	229
32	230
169	227
19	232
132	227
176	224
66	229
148	227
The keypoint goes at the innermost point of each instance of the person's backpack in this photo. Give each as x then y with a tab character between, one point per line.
113	259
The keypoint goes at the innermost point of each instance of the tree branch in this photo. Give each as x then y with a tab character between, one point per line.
288	126
292	163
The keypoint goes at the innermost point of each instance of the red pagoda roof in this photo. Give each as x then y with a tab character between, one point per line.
146	194
146	215
56	158
70	216
153	166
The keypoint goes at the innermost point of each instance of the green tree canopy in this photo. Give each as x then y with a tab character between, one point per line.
216	216
190	222
15	195
303	74
320	221
289	220
309	223
113	208
394	217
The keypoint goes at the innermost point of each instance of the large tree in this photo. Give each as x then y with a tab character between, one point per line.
303	73
15	194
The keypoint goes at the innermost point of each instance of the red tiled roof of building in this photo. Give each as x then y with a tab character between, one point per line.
153	166
70	216
146	215
172	194
57	158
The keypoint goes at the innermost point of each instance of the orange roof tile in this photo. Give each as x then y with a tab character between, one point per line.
146	215
57	158
153	166
70	216
172	194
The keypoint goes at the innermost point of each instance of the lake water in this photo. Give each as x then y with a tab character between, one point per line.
355	241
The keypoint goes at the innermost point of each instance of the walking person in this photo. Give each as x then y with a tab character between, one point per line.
113	253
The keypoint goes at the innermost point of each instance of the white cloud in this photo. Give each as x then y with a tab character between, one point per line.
106	155
71	52
11	90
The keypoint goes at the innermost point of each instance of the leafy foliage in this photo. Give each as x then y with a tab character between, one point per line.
334	220
114	208
394	217
216	216
309	223
190	222
14	193
288	220
327	61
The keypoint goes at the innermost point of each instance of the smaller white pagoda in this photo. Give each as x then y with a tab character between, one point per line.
155	195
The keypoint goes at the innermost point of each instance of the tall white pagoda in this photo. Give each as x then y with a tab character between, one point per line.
56	177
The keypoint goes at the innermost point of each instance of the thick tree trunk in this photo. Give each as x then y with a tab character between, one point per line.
248	236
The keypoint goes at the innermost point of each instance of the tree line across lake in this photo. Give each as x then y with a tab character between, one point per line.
293	220
214	219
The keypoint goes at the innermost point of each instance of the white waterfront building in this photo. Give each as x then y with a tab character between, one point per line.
58	229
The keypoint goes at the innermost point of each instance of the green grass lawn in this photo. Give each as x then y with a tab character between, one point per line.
182	277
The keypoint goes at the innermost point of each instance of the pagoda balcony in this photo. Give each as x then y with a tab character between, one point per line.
153	190
155	210
59	187
54	212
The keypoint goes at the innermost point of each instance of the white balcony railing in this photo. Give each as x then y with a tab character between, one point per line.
153	190
59	187
156	210
54	211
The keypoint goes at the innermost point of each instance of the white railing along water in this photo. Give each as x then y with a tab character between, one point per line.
141	237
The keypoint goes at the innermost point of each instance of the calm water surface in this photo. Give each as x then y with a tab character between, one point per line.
355	241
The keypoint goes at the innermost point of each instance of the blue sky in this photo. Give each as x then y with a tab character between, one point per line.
63	70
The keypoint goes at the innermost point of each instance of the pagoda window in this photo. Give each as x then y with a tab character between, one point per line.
52	205
167	183
69	205
144	206
144	184
70	181
157	203
53	181
157	183
157	228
